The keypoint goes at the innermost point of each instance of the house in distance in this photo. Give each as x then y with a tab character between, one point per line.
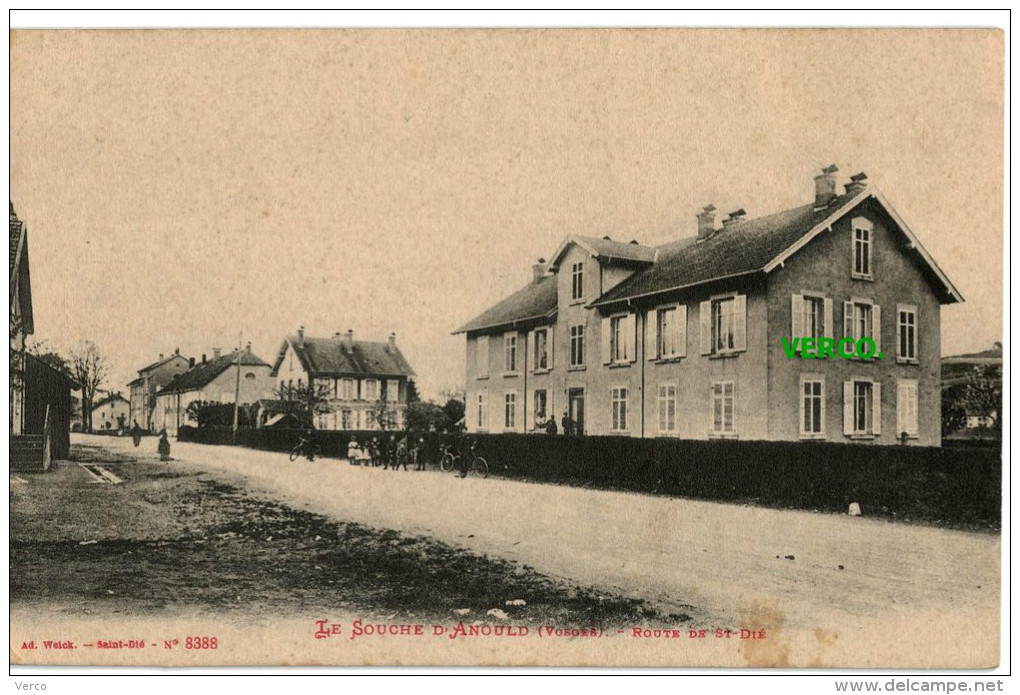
151	379
240	375
685	339
362	384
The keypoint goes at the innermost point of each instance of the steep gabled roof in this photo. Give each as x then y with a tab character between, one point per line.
752	246
330	357
203	373
161	362
108	399
605	249
534	302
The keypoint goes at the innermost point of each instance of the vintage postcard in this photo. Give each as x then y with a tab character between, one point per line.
506	347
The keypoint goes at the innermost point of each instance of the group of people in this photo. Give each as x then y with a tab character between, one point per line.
549	425
396	450
163	447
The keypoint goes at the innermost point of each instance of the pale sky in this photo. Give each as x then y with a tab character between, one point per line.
182	188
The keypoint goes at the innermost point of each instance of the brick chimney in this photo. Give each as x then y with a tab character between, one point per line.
191	362
301	335
349	340
734	216
161	356
215	353
858	182
393	342
538	271
706	222
825	187
203	358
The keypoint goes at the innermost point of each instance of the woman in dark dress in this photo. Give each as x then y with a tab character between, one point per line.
164	446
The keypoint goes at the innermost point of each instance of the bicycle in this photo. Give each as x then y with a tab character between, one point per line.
448	460
306	447
479	466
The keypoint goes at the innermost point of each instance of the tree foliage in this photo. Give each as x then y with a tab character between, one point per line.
303	403
454	409
983	395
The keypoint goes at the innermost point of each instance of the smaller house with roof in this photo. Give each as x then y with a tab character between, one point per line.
363	383
240	375
111	412
150	380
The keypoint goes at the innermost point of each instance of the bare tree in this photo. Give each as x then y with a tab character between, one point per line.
89	369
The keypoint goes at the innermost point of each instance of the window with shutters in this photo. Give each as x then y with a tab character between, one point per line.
541	346
392	390
577	281
619	400
482	357
812	407
863	408
906	408
482	413
618	339
346	421
371	391
510	354
667	408
665	338
906	333
577	346
723	325
347	390
541	406
862	232
722	408
667	335
863	319
510	410
814	319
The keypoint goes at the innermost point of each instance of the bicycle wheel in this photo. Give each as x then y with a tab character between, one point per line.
295	452
446	464
480	467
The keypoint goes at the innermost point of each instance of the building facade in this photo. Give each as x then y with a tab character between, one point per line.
240	376
40	394
150	380
112	412
695	338
361	385
21	320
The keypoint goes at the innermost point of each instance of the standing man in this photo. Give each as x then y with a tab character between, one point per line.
568	425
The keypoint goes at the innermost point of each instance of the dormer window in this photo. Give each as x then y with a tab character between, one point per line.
862	230
577	281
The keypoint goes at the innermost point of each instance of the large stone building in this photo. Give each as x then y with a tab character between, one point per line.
686	339
239	376
363	384
150	380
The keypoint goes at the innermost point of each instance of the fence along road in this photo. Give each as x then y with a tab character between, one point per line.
906	594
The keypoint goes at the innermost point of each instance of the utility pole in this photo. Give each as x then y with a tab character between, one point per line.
237	386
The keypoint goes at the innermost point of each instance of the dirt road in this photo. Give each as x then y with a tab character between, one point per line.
832	585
